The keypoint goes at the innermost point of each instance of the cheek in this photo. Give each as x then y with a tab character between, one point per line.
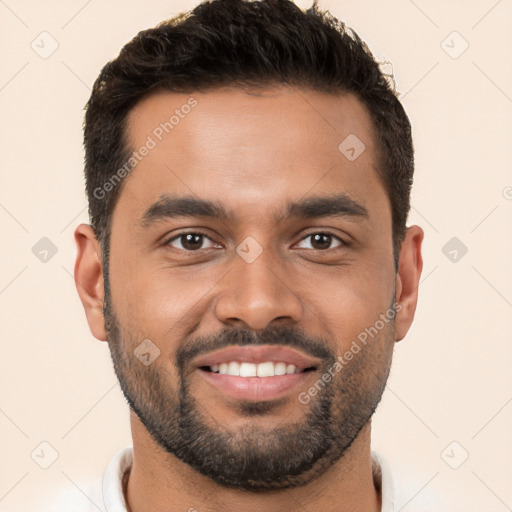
352	301
162	304
350	317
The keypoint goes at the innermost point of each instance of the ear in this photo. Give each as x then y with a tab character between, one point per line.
407	280
89	279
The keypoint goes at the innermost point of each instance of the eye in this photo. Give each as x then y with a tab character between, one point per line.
322	241
190	242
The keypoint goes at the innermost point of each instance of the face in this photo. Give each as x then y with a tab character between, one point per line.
246	226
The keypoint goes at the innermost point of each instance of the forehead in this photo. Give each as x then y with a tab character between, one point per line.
250	149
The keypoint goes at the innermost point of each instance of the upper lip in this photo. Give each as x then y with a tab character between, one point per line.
258	354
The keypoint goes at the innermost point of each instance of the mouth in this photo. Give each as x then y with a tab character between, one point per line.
261	370
256	373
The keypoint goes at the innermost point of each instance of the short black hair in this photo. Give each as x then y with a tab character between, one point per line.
247	44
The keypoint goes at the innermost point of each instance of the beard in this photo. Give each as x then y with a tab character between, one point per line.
253	458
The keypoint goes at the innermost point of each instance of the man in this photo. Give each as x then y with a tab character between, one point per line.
248	171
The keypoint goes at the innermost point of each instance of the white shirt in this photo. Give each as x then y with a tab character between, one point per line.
106	494
123	459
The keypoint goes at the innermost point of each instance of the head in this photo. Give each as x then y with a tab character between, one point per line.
248	170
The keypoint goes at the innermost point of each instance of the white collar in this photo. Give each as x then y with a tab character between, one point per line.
122	461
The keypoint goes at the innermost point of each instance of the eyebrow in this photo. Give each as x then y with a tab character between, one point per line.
172	207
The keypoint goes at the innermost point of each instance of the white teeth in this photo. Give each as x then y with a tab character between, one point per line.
266	369
290	368
280	369
247	370
233	368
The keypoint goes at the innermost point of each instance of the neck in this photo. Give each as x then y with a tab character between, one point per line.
161	482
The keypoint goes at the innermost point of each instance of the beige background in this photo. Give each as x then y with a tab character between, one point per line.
451	379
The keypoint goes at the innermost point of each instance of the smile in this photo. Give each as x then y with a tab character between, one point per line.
245	369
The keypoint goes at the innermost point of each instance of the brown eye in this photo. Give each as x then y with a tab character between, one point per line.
322	241
189	242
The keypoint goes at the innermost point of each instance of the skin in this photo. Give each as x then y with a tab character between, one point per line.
253	153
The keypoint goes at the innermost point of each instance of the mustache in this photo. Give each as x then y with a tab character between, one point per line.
275	335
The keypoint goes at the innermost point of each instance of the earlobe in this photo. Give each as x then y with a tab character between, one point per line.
89	279
407	280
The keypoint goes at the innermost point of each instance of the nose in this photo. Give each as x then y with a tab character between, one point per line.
258	294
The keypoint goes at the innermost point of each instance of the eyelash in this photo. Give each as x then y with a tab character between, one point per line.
335	237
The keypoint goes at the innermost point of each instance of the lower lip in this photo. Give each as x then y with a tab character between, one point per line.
255	388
